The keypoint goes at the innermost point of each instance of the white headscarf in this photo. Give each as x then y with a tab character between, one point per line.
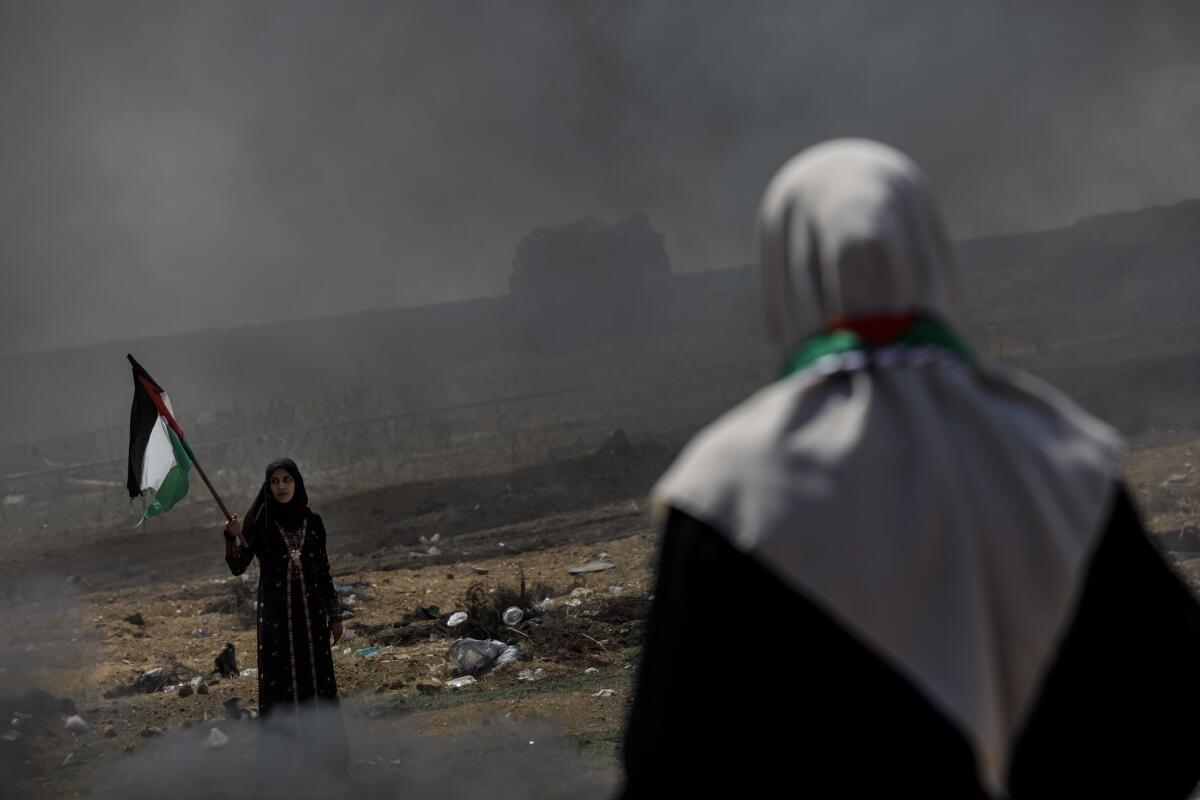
942	512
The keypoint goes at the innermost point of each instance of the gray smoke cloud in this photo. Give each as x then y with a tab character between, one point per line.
45	649
171	166
498	760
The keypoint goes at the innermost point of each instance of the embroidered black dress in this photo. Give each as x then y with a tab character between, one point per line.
296	603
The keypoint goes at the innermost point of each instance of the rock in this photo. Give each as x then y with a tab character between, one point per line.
151	731
591	566
479	570
604	693
186	690
202	689
591	671
431	686
461	683
110	732
136	618
75	724
531	675
216	739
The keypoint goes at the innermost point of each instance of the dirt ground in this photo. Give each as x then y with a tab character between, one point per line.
70	637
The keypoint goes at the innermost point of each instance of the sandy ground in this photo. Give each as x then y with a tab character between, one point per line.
557	736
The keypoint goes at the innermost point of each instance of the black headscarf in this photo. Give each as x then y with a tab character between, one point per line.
266	510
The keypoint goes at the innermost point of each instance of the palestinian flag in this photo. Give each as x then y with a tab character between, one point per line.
159	457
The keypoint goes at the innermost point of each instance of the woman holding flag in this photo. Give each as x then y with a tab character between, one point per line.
298	610
299	614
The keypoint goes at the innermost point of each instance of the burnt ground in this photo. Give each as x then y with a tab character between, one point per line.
72	639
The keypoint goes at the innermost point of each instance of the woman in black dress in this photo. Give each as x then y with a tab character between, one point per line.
299	614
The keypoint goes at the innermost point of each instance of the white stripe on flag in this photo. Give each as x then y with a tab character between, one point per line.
159	457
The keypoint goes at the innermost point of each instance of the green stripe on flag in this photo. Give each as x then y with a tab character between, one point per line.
175	484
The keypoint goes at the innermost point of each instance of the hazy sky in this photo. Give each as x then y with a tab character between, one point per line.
170	166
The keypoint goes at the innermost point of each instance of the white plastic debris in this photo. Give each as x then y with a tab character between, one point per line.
216	738
475	656
456	619
459	683
249	672
75	724
531	675
511	653
604	693
574	602
512	615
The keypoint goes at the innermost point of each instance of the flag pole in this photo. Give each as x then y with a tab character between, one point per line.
213	492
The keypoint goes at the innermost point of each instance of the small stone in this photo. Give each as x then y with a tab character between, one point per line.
479	570
110	732
150	731
591	671
431	686
186	690
136	618
461	683
604	693
202	689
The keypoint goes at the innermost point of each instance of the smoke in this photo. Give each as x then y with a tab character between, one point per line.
44	658
43	640
173	166
391	758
